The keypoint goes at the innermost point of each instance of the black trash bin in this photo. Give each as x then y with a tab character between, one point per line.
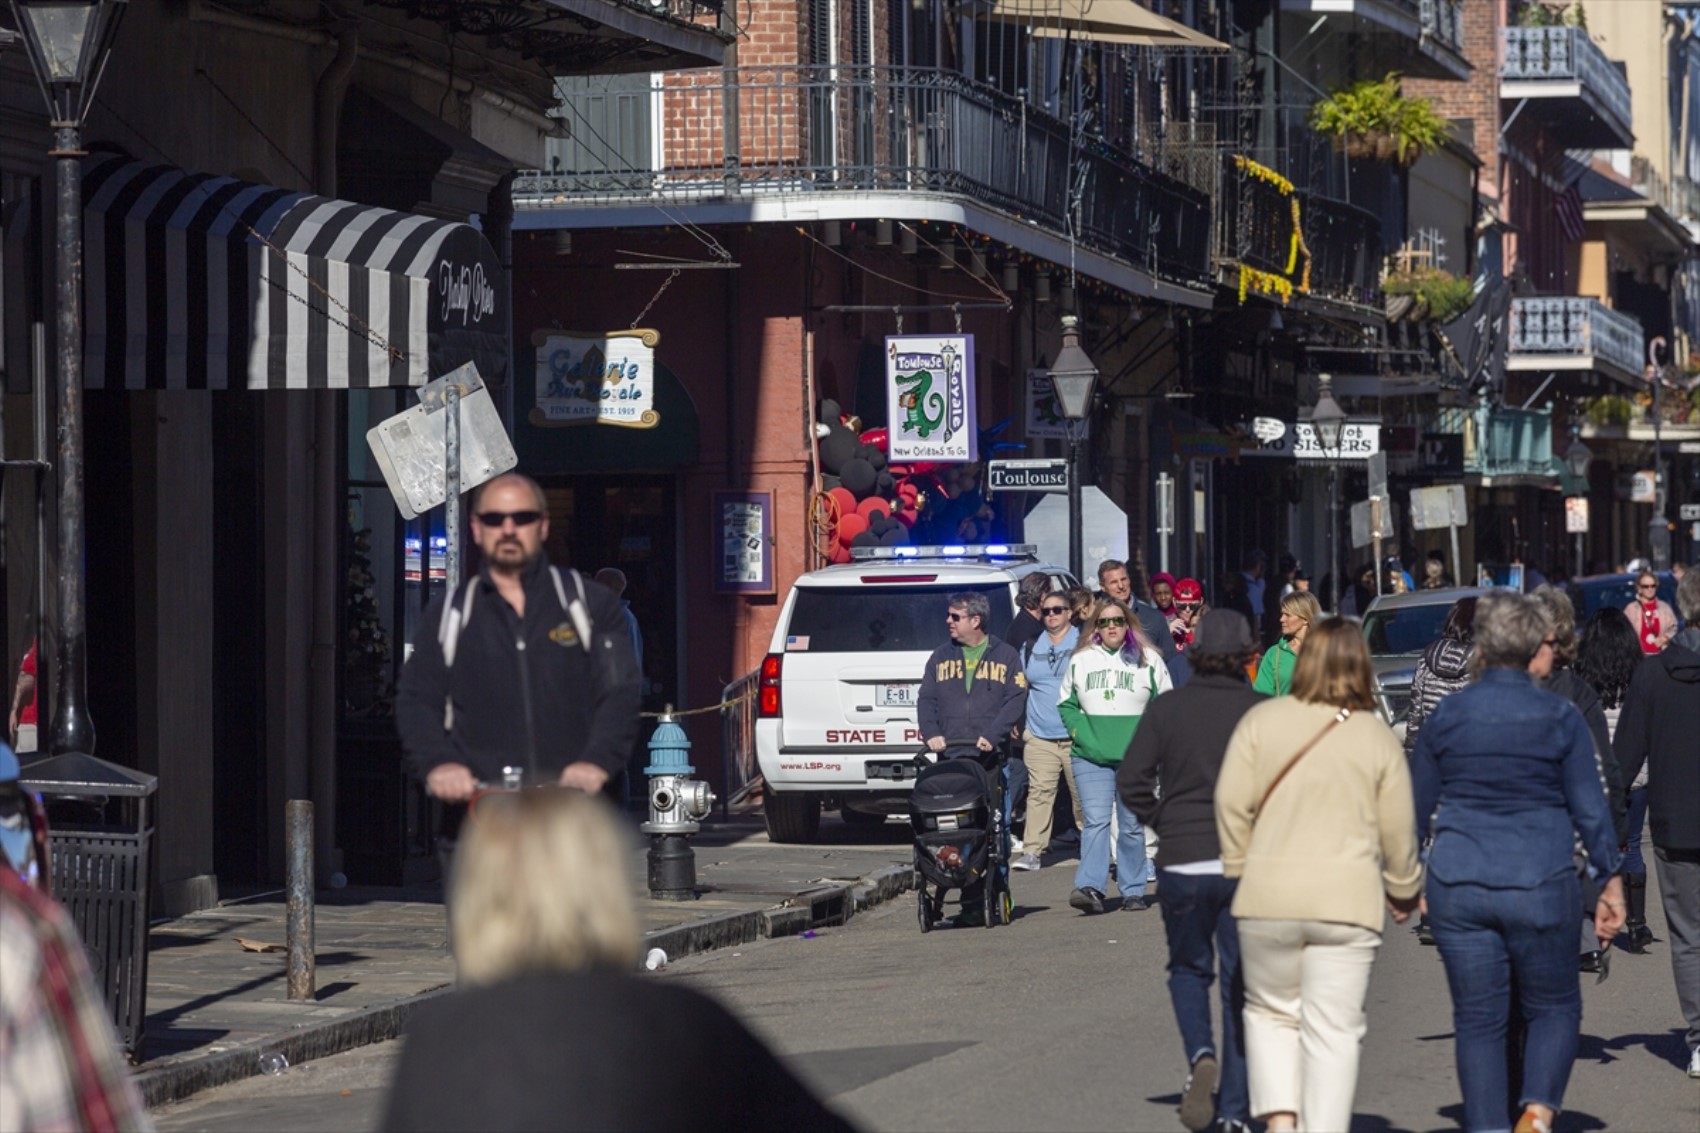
100	832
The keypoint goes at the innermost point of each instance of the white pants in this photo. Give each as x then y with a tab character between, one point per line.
1305	983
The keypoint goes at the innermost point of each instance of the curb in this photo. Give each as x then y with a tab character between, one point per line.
176	1079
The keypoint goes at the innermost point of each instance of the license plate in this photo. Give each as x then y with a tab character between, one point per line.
898	696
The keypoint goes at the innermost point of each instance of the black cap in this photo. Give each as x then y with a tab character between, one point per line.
1221	631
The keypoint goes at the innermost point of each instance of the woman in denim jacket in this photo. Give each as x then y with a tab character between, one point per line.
1504	776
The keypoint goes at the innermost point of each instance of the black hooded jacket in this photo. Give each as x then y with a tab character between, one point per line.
1444	669
1660	727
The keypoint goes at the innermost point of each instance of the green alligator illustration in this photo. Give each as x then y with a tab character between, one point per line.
916	400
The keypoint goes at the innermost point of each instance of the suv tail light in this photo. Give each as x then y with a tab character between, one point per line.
767	687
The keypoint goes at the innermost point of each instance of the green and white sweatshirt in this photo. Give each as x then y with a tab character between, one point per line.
1102	697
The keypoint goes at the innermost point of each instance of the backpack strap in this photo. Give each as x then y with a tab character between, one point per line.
454	620
578	609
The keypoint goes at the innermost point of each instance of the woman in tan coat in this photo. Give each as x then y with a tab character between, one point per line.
1314	812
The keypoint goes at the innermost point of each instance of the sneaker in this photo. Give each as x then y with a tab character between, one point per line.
1134	902
971	916
1025	862
1198	1098
1015	846
1087	900
1694	1063
1232	1126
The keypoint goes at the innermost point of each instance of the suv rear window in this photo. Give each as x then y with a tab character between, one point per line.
1405	630
886	619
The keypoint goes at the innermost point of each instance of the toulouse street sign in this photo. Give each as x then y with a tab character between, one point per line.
1027	475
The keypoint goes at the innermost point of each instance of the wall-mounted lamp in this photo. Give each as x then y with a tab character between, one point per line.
907	244
832	236
882	233
1042	287
1011	277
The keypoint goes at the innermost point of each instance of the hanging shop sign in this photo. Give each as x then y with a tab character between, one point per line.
1045	420
596	379
929	388
1576	515
1358	441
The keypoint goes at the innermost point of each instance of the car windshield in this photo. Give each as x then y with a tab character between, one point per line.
1404	630
884	619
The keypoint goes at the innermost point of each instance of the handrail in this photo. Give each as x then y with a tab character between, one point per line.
1565	54
1577	326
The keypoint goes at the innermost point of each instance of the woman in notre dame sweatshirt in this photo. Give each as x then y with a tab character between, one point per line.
1112	676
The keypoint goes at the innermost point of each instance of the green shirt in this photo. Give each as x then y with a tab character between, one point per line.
1275	674
971	655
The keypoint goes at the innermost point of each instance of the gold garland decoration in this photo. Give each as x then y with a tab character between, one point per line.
1263	173
1298	245
1264	283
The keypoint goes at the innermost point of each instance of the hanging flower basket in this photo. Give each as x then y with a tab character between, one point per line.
1375	145
1371	120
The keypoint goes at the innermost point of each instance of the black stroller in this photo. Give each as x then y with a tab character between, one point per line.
956	812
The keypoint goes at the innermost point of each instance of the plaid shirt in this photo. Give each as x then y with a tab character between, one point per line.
60	1066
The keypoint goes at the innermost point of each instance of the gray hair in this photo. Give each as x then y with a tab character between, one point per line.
1509	629
975	605
1563	614
1688	596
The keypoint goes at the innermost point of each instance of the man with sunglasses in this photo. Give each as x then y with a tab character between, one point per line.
524	665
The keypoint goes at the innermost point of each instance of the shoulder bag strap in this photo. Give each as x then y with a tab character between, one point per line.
1339	718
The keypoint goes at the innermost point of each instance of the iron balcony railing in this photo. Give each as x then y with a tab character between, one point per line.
1502	442
1443	21
1576	328
1254	227
802	130
1567	54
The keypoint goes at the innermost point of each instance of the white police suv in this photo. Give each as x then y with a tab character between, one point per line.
836	701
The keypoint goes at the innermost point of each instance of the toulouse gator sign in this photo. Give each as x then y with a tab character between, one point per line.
930	398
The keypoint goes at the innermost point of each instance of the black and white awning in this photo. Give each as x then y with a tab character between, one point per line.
194	281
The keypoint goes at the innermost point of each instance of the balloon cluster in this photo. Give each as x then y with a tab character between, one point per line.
876	502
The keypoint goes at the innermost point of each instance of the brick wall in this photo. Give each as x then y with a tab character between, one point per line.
769	48
1476	98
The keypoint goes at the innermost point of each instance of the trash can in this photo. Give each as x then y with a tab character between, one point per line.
100	830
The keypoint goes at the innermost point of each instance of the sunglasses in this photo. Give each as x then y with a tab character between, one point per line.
520	518
1647	586
1050	610
1188	605
955	617
1112	621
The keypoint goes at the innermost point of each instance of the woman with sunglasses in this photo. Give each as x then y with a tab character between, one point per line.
1652	617
1045	738
1114	673
1299	611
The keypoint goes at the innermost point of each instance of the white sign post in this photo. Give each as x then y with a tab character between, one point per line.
1165	518
1443	505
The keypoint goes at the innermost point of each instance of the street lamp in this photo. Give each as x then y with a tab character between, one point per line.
1577	458
1329	421
1073	377
69	44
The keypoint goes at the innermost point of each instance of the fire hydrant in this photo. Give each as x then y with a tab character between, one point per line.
676	804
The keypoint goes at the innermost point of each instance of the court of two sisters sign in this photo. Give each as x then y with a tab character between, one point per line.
596	379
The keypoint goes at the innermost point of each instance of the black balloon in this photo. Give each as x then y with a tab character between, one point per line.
859	476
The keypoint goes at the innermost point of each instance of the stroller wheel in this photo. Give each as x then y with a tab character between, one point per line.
924	909
1008	907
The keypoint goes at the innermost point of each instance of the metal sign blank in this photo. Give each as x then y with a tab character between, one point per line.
410	447
1440	506
1362	536
1688	511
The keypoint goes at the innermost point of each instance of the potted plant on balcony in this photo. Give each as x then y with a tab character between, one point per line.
1371	119
1611	409
1539	15
1425	294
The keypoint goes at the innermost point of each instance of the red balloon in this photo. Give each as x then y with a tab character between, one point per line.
870	505
907	517
838	555
845	499
850	526
879	438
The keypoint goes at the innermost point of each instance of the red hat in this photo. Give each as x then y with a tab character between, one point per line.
1188	590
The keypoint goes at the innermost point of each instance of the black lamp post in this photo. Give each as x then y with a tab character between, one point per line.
1329	421
69	43
1073	377
1577	458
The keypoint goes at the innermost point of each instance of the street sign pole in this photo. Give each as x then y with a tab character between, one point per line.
1165	518
1375	540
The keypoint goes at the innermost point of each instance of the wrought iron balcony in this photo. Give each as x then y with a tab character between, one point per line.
1569	84
1503	443
1420	38
1573	334
919	132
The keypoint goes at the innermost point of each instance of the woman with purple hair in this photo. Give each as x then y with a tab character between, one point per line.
1114	673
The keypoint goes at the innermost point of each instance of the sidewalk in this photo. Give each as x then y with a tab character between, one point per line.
215	1007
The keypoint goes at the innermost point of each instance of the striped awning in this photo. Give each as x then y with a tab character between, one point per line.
195	281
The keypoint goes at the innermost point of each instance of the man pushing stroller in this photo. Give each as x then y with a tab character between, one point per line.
973	687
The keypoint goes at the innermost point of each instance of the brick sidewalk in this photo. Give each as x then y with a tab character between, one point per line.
214	1007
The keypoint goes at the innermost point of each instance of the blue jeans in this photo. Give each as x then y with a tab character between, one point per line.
1014	782
1203	938
1633	862
1489	940
1097	786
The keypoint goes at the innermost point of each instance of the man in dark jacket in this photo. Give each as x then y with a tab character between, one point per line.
973	695
1181	741
529	667
1114	580
1659	727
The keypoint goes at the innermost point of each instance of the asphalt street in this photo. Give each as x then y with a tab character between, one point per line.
1058	1021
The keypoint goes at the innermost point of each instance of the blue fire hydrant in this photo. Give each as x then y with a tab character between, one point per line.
677	803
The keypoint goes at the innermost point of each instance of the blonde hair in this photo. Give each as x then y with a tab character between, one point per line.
1302	604
1334	667
540	885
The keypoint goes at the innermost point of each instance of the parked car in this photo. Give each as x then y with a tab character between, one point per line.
1594	592
1398	628
835	724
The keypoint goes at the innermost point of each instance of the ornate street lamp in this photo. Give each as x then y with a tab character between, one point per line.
1073	378
1577	458
1329	421
69	43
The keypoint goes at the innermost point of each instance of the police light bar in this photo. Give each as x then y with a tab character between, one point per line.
949	551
